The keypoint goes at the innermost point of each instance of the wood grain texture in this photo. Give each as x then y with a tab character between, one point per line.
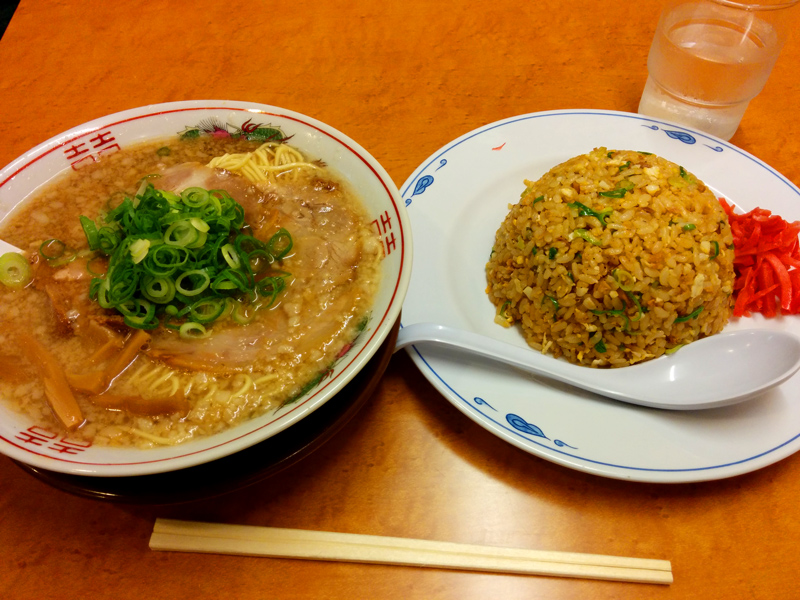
401	78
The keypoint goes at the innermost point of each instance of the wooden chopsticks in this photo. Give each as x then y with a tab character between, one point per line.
192	536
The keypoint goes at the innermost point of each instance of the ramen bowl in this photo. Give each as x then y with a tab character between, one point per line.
45	447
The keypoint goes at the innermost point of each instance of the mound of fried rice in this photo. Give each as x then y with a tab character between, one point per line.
613	258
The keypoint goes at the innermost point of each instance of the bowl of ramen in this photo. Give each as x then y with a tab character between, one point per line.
193	278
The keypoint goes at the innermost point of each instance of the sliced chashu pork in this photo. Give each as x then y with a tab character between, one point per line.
319	303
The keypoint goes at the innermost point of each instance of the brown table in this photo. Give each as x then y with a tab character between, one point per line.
402	78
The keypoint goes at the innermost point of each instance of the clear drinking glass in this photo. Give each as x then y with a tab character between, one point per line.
709	58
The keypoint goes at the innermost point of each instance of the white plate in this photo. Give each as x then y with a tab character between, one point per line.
23	440
457	199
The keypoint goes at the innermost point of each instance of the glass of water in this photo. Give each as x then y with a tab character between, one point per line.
709	58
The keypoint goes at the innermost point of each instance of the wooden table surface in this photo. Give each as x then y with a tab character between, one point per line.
403	79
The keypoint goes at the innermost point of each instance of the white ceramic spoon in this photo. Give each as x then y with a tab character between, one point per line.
715	371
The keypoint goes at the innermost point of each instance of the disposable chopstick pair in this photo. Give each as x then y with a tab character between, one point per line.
214	538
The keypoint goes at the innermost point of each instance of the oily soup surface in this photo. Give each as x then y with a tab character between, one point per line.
239	371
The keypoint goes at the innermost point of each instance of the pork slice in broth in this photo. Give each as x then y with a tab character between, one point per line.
326	232
67	287
322	298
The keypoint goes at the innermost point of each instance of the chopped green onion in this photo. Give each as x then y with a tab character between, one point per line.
625	166
242	314
159	289
635	299
624	187
230	280
195	197
625	282
98	290
624	279
139	249
582	233
689	227
280	244
552	300
52	249
56	253
181	233
503	308
245	244
196	281
551	254
692	315
139	314
585	211
192	330
96	266
615	313
231	256
538	199
163	151
270	287
15	271
108	240
686	175
143	184
90	229
600	346
199	224
164	260
207	310
714	254
174	200
182	261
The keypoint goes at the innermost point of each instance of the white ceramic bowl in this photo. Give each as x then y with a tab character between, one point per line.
22	440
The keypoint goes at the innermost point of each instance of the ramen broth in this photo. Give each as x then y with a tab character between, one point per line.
177	389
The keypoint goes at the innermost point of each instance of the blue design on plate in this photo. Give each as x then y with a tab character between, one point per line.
522	425
681	136
480	401
715	148
442	163
422	185
561	444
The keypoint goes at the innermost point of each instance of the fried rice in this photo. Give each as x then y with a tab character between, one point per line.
613	258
